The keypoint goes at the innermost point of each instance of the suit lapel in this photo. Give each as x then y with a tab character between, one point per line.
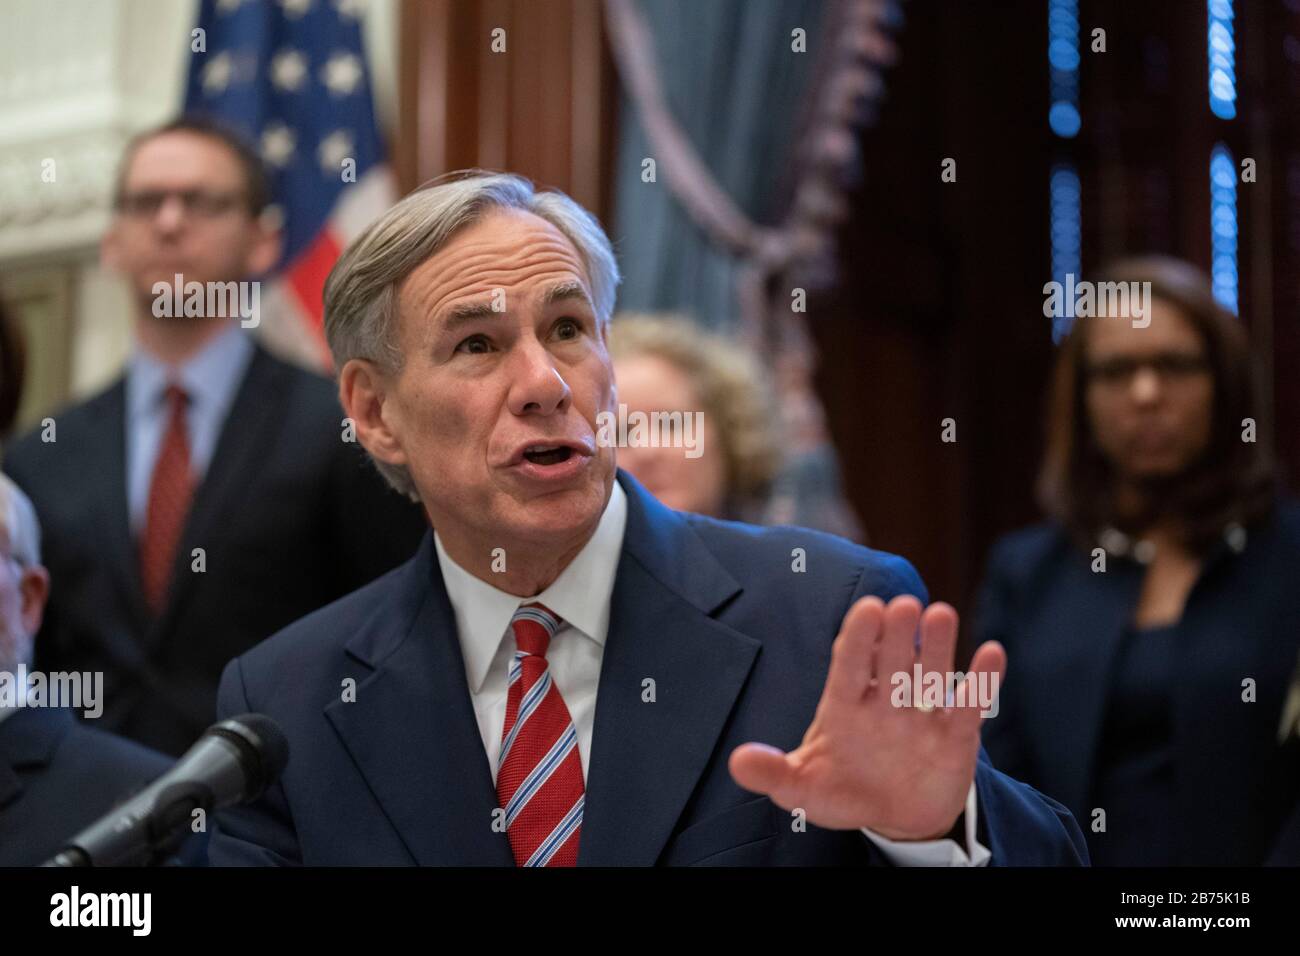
28	739
107	448
647	757
248	431
414	737
412	730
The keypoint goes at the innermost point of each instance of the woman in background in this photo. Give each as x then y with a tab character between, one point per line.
1152	626
667	364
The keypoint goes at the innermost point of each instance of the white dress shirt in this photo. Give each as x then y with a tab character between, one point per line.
580	596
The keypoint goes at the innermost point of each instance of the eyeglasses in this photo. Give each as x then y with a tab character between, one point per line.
1171	367
200	203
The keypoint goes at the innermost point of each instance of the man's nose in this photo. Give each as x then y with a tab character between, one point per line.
170	215
537	388
1145	388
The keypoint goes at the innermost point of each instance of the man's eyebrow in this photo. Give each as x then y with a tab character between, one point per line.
469	312
564	291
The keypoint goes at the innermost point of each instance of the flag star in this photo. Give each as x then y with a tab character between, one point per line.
289	70
278	143
333	149
341	73
228	6
295	8
350	8
216	73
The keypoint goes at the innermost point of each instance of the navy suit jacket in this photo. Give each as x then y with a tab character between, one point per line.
58	776
1062	625
737	643
290	517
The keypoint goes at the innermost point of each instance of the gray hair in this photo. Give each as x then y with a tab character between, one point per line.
19	524
361	291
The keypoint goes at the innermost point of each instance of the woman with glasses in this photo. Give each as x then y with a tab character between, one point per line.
1153	623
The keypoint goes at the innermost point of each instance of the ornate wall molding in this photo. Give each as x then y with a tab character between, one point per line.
77	78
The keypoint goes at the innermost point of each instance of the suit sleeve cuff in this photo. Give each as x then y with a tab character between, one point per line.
943	852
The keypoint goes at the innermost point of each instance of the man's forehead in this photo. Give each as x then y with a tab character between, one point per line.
508	249
180	154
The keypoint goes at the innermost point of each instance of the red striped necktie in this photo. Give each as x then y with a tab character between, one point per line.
170	493
539	783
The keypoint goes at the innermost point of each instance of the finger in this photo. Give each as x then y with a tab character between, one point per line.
896	651
938	639
760	768
990	658
850	669
978	695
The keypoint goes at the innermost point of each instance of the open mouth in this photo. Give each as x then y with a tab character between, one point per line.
547	454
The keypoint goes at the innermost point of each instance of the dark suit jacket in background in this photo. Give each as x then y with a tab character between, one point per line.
737	643
58	776
290	516
1062	625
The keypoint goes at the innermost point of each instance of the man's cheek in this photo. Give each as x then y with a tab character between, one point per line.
455	429
599	398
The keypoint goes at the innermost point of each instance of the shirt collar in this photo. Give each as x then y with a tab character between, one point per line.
210	377
580	595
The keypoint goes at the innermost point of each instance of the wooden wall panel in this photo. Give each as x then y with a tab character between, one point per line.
543	108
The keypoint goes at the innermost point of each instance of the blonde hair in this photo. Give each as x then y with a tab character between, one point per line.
729	381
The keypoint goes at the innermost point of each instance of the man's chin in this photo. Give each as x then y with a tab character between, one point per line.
559	513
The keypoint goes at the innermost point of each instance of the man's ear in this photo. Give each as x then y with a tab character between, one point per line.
267	243
363	392
34	588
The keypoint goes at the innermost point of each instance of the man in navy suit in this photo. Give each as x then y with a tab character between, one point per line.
568	672
207	497
57	775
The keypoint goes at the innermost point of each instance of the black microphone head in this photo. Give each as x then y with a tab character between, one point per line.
233	762
263	745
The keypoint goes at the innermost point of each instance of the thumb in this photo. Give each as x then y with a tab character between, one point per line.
760	768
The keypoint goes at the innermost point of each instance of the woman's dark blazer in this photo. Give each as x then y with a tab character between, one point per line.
1062	624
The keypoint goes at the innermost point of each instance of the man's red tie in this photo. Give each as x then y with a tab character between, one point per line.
539	783
169	504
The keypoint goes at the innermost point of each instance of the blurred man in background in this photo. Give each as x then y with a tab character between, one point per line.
209	496
56	774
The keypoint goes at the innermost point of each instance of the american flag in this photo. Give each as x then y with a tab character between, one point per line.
291	75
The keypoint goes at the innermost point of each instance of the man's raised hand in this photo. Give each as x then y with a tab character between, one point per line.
865	761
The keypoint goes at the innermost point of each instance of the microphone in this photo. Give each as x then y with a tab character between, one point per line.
233	762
